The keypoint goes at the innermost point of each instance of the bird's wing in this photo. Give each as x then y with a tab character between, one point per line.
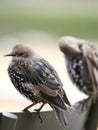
91	56
61	91
40	76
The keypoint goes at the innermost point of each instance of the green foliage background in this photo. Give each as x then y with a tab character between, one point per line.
78	18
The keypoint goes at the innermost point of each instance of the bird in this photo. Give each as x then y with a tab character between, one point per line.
82	65
38	81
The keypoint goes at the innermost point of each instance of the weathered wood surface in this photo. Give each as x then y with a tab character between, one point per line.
25	121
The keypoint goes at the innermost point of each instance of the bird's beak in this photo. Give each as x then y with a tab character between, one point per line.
10	54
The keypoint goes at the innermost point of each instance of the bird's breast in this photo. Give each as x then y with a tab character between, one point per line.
19	83
78	72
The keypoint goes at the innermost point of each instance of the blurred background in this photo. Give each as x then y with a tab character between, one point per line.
40	24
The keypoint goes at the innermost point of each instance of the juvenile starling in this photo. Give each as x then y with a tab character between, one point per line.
82	65
37	80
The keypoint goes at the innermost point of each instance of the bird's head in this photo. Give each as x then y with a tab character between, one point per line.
71	46
20	51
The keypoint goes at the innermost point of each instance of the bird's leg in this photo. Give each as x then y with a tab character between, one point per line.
84	104
29	115
38	111
28	107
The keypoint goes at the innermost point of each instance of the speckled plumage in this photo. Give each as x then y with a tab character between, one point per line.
82	64
37	80
79	73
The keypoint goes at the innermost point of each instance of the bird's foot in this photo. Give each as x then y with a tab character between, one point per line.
26	110
28	107
83	105
38	112
28	113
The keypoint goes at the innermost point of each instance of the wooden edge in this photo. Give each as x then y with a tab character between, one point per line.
31	121
8	121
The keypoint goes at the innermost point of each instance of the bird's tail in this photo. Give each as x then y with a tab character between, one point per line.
60	114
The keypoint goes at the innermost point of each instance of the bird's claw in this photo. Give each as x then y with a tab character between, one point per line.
29	114
38	112
83	105
26	110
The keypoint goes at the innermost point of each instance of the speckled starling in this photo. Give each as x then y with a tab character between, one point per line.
82	65
37	80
